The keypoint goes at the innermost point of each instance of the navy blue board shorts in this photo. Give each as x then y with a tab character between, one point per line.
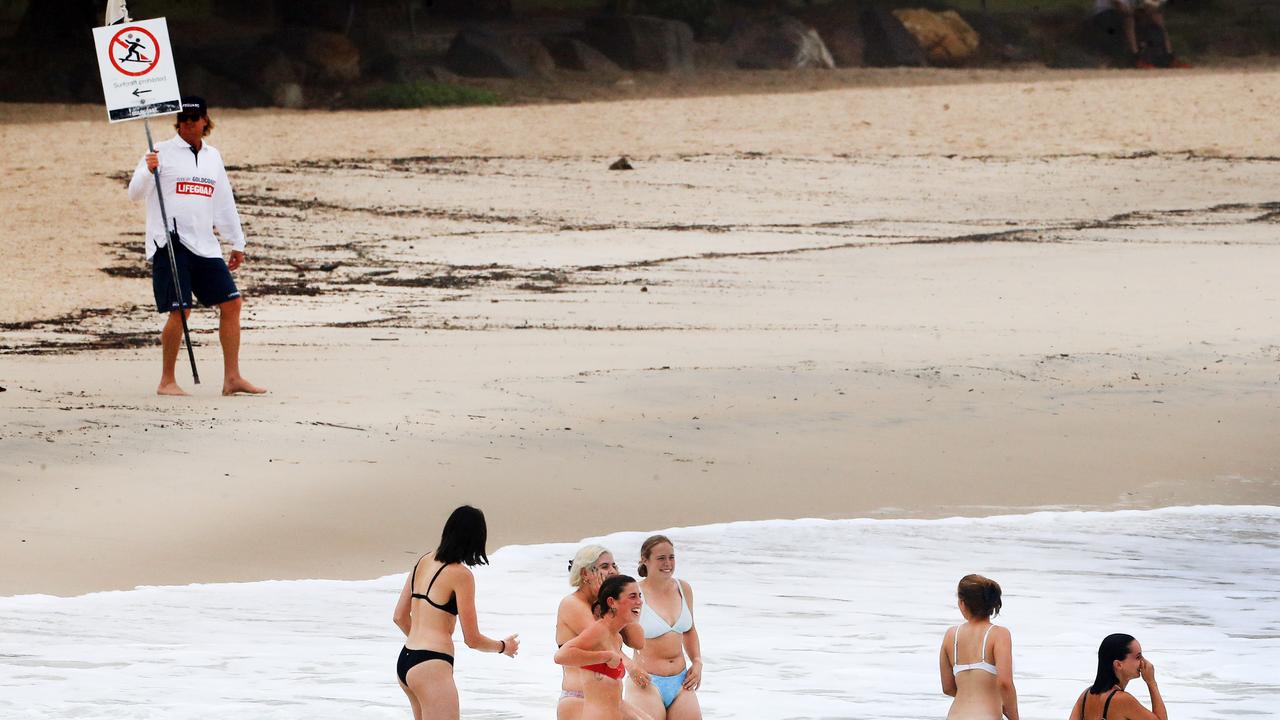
208	277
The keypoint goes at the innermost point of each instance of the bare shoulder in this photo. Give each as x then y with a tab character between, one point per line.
684	585
458	574
1124	701
595	634
571	607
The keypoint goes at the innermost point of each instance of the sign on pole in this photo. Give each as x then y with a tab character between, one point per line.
138	79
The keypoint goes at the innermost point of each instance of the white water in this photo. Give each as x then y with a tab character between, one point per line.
799	619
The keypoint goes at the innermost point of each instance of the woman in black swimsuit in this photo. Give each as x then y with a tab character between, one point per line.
428	609
1119	661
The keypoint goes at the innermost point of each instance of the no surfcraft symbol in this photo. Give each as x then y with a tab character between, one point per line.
134	51
136	64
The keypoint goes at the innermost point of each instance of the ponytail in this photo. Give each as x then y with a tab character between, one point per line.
647	547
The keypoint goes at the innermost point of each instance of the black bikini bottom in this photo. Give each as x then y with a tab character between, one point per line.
409	658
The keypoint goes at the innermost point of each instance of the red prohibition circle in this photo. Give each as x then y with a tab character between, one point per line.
111	46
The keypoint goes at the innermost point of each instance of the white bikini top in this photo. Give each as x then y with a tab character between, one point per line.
957	668
653	624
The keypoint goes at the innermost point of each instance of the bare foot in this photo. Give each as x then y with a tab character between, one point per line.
170	388
234	386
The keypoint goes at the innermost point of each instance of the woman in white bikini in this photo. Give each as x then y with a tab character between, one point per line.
1119	661
597	651
590	567
669	635
982	684
429	609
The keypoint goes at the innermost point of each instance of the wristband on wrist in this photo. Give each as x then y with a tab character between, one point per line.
503	647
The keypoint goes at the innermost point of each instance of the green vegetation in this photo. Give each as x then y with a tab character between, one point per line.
422	94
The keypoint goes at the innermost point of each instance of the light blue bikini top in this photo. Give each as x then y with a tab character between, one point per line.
957	668
653	624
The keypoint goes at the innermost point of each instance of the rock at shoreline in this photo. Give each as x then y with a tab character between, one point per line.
573	54
333	57
779	43
637	42
944	36
481	52
888	42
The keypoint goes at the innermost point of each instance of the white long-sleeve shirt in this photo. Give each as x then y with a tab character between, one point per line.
197	195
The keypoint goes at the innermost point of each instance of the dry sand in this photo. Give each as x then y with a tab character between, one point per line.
922	294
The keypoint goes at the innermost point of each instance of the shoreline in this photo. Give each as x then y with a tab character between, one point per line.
992	514
876	300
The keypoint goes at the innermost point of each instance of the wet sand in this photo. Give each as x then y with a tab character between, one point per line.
962	294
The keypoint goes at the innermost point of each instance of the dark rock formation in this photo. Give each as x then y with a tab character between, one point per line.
483	52
888	43
778	43
637	42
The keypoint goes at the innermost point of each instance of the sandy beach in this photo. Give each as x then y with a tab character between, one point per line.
922	294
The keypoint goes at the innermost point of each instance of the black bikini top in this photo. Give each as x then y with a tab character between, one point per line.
1106	706
450	607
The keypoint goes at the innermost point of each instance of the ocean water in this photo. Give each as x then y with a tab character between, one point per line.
798	619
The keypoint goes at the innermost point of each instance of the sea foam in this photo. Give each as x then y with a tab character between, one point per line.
798	619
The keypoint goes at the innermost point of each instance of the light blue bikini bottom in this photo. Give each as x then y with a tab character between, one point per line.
669	685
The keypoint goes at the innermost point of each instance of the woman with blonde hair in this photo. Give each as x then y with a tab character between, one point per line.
428	611
982	685
669	635
597	650
590	567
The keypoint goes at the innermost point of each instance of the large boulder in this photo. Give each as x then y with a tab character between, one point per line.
637	42
333	57
944	36
887	42
573	54
778	43
846	46
220	90
483	52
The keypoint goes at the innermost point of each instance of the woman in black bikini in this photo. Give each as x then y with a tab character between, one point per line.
428	610
1119	661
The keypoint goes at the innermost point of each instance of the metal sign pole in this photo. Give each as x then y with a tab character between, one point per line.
172	237
117	14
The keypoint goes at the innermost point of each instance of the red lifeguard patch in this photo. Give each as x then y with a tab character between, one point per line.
187	187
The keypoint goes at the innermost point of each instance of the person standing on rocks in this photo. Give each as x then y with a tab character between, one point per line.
197	195
1123	17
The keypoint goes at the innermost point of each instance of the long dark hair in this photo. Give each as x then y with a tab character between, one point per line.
1114	647
610	589
463	538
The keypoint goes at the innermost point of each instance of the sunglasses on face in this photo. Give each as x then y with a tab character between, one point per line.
184	117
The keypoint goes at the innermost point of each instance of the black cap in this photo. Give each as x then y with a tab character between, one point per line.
193	105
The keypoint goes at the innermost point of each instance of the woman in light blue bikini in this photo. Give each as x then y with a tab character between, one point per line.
983	689
670	635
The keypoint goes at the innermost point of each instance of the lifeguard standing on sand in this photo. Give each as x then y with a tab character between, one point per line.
198	196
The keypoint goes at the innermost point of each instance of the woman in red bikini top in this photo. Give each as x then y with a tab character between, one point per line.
598	649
